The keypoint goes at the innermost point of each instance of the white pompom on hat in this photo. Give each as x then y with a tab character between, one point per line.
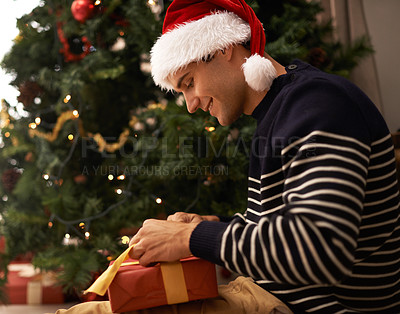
195	29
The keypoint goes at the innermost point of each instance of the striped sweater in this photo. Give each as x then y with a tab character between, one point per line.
322	229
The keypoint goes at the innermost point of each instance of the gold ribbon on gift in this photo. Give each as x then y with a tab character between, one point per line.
174	282
102	283
172	274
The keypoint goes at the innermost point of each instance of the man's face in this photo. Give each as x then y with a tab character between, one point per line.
216	86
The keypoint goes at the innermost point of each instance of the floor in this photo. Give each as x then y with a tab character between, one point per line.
33	309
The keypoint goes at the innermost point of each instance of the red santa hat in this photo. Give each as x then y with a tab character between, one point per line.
195	29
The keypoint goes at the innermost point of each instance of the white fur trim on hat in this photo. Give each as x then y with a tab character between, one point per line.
259	72
194	40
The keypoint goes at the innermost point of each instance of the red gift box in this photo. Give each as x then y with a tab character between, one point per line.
137	287
26	286
2	244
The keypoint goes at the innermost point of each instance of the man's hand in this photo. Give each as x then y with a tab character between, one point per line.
186	217
162	241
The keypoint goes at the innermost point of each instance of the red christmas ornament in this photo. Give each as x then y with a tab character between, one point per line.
10	178
66	50
318	57
28	90
82	10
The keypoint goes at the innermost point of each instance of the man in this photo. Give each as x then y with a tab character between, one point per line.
321	232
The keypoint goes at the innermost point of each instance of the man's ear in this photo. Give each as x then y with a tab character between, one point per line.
228	52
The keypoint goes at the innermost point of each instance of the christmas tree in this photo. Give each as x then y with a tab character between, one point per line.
99	148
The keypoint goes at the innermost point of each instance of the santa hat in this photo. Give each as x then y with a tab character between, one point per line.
195	29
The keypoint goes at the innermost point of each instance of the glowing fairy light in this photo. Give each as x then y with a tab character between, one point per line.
121	177
38	120
46	176
75	113
70	137
67	236
97	2
210	128
118	191
125	240
151	2
33	125
82	225
7	134
87	234
158	200
67	98
110	177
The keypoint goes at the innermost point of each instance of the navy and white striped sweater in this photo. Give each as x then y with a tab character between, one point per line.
322	228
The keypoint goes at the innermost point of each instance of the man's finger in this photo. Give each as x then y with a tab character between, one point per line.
134	240
171	218
181	217
175	217
144	260
136	252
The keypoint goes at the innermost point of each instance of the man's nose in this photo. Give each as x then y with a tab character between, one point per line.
192	103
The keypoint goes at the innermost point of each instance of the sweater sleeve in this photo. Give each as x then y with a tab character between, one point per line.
312	235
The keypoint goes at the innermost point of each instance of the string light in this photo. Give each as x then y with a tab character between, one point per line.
50	223
125	240
210	128
84	226
98	2
70	137
7	134
56	180
67	98
151	2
